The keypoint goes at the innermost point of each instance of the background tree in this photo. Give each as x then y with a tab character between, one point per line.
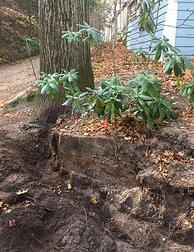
56	53
99	11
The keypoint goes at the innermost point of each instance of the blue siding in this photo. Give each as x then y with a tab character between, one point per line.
140	39
185	27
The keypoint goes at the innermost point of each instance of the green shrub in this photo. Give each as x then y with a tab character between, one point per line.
86	33
92	35
174	61
121	36
33	42
146	84
146	18
109	100
77	101
140	99
72	36
187	90
149	107
59	84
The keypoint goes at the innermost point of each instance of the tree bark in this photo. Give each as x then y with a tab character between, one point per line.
56	54
56	16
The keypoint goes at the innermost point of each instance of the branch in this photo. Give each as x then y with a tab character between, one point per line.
185	19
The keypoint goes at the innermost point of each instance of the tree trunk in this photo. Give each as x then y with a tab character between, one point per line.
56	54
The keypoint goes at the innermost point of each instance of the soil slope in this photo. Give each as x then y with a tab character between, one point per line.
14	28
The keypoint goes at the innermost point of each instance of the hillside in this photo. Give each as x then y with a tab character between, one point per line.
18	21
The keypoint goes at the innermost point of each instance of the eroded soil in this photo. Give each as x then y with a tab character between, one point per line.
43	210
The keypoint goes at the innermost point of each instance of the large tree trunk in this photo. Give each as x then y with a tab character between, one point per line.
56	54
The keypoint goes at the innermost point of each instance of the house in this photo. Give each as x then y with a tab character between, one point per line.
175	19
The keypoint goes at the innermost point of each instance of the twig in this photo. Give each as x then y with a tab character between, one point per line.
113	58
30	59
35	201
32	125
85	216
114	41
150	47
74	126
147	236
185	20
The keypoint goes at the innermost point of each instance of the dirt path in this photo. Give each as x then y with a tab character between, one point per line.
17	77
14	79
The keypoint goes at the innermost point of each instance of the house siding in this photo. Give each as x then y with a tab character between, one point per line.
140	39
185	27
173	23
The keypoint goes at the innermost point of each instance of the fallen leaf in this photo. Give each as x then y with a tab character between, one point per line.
20	192
93	199
105	123
181	154
12	223
8	211
128	139
147	152
69	186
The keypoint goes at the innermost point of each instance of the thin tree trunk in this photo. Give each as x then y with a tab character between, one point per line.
56	54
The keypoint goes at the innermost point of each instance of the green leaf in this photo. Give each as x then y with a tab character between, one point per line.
187	90
45	89
68	102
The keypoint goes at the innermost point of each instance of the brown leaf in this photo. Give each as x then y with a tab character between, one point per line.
1	204
12	223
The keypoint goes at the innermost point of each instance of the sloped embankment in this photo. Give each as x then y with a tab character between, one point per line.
149	180
15	26
102	198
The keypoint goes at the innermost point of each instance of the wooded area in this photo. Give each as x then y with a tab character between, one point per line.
96	140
